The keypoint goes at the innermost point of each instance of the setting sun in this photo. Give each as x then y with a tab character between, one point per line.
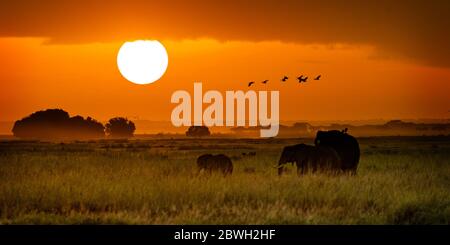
142	62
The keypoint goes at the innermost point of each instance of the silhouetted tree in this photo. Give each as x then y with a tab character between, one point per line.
198	131
57	124
120	127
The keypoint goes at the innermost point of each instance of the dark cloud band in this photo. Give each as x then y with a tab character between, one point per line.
412	29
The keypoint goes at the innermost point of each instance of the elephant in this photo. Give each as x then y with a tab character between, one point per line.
210	163
344	144
310	158
202	161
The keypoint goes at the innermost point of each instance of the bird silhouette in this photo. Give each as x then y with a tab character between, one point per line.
302	79
265	81
318	77
285	78
250	83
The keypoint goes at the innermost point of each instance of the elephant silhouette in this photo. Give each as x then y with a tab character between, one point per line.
215	163
344	144
309	158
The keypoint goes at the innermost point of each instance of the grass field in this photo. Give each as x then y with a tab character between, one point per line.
400	180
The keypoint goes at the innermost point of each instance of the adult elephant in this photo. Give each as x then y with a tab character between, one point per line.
219	163
310	158
344	144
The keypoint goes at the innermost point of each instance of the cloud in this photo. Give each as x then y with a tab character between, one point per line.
416	30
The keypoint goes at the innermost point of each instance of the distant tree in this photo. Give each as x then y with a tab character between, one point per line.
120	127
198	131
57	124
87	127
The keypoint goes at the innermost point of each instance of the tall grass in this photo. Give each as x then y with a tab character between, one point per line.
399	181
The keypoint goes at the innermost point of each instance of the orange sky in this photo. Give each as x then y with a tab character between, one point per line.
55	60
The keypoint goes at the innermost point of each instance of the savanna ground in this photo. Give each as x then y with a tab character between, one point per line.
400	180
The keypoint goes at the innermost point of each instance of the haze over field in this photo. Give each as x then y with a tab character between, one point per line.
296	129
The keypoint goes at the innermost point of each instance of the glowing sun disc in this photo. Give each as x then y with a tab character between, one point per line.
142	61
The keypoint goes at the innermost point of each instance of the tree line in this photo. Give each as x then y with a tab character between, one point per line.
57	123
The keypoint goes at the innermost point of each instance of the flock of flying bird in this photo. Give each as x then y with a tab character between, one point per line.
301	79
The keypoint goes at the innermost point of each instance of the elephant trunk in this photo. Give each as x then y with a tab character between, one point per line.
283	160
316	142
280	167
280	170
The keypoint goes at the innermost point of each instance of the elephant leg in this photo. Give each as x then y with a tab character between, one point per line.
314	167
316	163
300	168
306	166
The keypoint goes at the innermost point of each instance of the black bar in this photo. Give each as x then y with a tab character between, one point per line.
166	233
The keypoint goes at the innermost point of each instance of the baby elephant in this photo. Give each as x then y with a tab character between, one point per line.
210	163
